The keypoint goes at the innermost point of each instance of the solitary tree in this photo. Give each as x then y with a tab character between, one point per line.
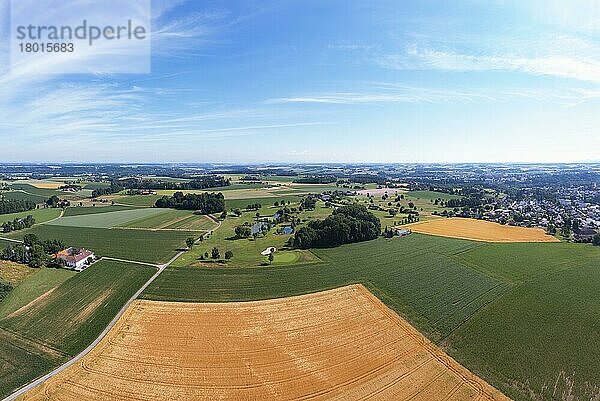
271	257
215	253
228	255
190	242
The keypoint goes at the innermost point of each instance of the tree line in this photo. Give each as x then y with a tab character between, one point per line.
206	203
203	182
18	224
315	179
9	206
347	224
33	251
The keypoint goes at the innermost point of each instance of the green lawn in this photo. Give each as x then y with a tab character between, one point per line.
138	245
246	251
62	323
40	215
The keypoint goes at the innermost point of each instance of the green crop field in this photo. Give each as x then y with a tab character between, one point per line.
78	211
62	323
40	215
545	327
137	200
163	219
107	220
500	309
21	195
138	245
416	275
265	202
193	222
41	281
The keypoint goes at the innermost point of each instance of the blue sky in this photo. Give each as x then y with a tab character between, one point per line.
327	81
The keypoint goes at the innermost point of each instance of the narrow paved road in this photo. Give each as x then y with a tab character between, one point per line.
83	353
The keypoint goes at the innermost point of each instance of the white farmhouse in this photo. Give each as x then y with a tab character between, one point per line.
76	259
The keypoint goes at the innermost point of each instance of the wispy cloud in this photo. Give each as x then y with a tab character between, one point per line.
395	93
563	63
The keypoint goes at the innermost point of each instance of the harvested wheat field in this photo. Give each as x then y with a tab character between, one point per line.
342	344
480	230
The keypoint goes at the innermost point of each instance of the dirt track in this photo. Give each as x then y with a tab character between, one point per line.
480	230
342	344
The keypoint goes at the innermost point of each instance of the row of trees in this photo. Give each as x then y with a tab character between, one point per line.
16	206
203	182
205	203
315	179
18	224
112	189
347	224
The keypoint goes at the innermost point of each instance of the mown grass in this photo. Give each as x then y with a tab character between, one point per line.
137	245
61	324
246	251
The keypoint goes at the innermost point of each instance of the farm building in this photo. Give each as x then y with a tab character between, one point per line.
402	232
76	259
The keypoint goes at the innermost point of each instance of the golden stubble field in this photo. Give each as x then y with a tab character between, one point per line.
480	230
342	344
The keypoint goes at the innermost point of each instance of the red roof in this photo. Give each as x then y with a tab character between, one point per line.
77	257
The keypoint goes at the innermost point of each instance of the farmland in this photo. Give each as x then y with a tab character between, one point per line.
78	211
417	276
340	344
467	296
480	230
106	220
141	245
40	215
172	219
60	322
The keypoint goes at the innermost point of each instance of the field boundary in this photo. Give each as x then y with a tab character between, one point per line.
103	334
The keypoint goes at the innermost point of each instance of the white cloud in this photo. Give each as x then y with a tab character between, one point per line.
563	65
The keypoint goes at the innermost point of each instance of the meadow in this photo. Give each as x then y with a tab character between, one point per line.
137	245
61	322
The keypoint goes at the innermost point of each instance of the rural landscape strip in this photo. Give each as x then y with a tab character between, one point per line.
104	332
